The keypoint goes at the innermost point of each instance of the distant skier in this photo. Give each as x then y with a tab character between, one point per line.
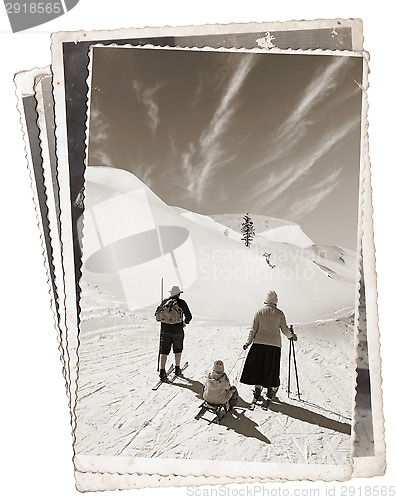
174	314
262	366
217	388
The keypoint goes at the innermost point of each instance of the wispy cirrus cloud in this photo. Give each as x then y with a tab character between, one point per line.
316	91
288	134
144	173
102	159
98	128
314	195
145	96
203	158
275	186
198	91
187	163
98	133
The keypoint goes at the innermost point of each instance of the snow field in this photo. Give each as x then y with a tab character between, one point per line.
118	413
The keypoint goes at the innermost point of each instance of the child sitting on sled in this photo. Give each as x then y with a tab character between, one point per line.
217	388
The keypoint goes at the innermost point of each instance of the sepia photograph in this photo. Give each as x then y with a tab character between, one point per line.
198	211
220	269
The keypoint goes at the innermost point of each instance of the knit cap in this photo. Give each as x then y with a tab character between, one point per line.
218	367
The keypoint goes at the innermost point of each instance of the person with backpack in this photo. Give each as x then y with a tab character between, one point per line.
174	314
262	365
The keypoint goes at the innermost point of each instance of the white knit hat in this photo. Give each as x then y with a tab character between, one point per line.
271	298
218	367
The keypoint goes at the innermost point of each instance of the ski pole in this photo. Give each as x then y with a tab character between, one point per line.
237	360
289	367
296	369
158	357
238	375
235	363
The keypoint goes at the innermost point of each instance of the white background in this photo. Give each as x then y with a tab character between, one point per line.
35	437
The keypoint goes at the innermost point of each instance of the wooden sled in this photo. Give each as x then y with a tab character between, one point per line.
220	410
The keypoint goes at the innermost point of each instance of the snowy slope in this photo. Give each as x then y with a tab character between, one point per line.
222	279
119	414
268	227
262	223
290	233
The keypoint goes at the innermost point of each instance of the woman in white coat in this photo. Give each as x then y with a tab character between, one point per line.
262	366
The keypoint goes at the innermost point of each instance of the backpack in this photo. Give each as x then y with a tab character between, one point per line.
169	312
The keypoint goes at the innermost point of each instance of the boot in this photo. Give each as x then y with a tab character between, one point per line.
257	393
178	371
271	392
163	375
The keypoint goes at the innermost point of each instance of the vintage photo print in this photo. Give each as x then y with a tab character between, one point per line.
70	52
368	435
35	119
45	126
222	200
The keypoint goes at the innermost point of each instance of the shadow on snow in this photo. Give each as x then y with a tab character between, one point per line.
241	424
308	416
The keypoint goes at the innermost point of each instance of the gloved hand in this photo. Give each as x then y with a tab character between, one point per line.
294	337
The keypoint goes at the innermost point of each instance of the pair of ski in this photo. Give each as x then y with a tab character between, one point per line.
169	373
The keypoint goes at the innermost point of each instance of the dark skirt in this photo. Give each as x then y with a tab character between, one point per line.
262	366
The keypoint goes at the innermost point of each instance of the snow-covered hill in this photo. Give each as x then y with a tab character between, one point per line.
132	240
262	223
268	227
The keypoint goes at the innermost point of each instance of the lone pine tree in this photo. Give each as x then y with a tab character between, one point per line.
248	230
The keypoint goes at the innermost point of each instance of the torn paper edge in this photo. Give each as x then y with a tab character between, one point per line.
371	465
215	29
71	318
25	83
51	183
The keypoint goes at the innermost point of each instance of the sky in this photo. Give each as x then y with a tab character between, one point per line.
233	132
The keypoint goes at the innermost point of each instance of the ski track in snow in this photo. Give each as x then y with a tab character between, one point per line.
119	414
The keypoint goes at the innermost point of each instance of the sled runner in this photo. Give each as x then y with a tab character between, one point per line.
220	410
